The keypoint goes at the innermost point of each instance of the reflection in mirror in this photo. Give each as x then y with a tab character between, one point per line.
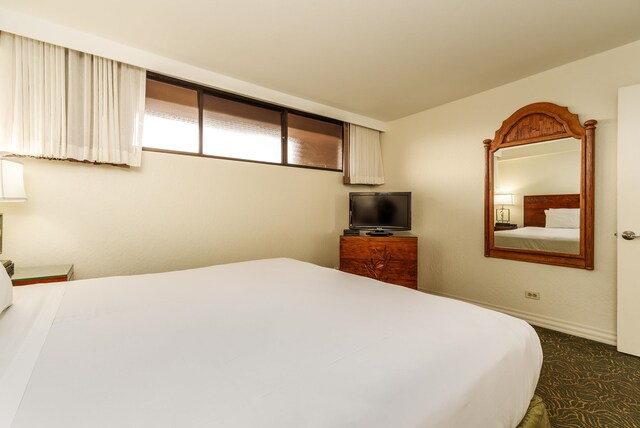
549	169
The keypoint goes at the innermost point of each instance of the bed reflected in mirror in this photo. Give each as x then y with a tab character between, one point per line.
539	188
537	196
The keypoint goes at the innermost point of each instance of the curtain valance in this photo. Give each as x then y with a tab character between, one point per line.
364	156
63	104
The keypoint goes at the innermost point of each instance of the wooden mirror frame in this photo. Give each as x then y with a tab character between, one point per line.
536	123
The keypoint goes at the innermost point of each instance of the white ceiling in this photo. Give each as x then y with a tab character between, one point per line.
380	58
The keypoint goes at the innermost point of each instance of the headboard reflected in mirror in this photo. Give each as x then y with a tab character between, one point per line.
536	205
542	157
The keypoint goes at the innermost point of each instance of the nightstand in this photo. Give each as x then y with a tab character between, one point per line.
37	274
510	227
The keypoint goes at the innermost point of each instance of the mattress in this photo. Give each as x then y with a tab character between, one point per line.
557	240
269	343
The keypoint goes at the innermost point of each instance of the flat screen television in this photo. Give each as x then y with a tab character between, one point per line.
380	213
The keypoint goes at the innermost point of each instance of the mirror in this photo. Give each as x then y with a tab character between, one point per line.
539	188
532	178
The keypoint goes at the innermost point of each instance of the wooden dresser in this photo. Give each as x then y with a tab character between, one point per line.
392	259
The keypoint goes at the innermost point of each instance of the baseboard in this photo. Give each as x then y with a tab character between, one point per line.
576	329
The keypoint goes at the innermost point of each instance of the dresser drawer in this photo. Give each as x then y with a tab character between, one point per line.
388	259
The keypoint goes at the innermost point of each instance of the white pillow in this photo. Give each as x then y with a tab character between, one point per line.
567	218
6	289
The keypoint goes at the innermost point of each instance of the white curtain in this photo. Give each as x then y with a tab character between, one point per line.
365	156
63	104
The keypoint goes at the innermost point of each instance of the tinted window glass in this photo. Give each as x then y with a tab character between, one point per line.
237	130
314	142
171	118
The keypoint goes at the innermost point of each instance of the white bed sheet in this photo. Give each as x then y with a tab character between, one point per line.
23	329
557	240
276	343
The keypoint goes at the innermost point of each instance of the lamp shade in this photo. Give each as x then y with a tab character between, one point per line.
503	199
11	181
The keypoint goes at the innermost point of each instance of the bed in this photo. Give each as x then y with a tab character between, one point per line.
268	343
537	234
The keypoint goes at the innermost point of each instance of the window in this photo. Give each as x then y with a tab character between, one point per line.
314	142
171	118
242	131
190	119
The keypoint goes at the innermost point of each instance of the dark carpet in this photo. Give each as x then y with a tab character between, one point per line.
588	384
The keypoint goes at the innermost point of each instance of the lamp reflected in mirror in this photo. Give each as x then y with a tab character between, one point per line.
503	215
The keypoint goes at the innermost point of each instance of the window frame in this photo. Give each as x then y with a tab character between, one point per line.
284	112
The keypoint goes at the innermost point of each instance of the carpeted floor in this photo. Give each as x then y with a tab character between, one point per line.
588	384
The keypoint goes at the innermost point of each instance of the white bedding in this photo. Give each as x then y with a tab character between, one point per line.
23	330
272	343
557	240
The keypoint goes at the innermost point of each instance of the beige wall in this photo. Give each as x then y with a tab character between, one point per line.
174	212
438	154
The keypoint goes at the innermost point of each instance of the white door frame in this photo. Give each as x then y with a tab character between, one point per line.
628	189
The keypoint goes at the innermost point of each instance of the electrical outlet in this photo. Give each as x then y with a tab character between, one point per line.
535	295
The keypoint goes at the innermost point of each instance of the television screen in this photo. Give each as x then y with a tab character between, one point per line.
380	210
